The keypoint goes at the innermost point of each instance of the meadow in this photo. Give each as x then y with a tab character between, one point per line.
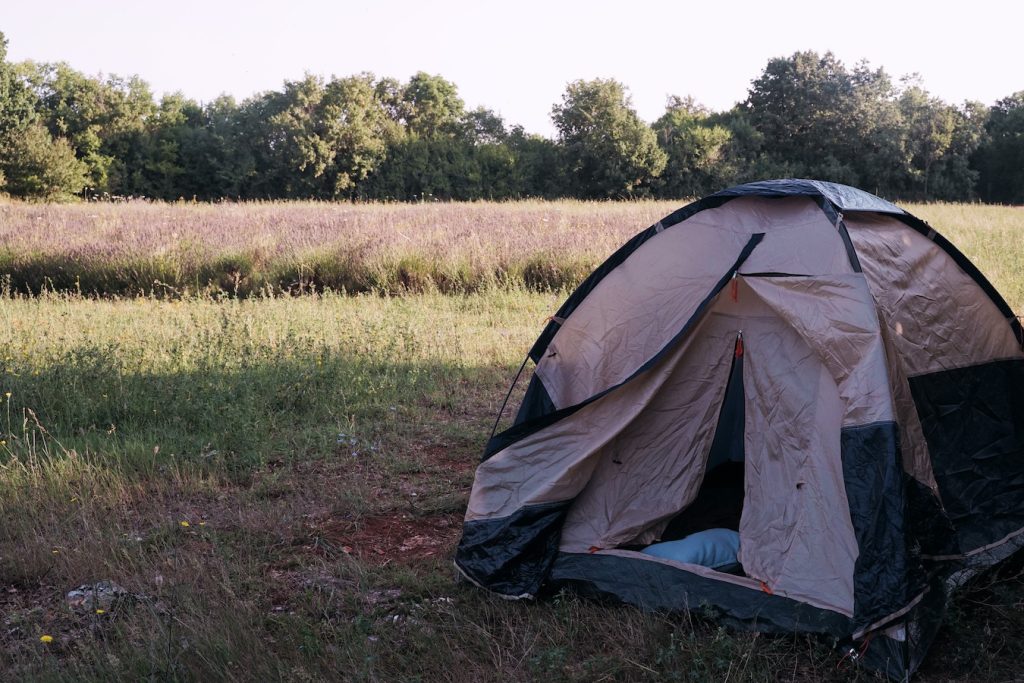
276	467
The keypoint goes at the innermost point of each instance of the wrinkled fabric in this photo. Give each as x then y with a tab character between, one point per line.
636	308
795	529
917	461
973	419
555	464
512	555
938	316
653	468
843	197
835	316
885	578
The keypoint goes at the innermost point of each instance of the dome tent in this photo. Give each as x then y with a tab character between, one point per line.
861	378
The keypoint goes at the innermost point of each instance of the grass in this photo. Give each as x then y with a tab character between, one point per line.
320	449
233	383
178	250
242	249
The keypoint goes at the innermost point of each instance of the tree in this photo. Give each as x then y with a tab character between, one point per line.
821	120
1000	159
170	165
17	102
359	130
929	124
317	139
432	106
102	119
696	149
952	177
37	166
483	126
538	166
610	152
32	163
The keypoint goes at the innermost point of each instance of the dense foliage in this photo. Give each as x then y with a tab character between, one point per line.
65	134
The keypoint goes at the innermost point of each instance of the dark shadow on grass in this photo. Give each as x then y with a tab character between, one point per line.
250	273
242	417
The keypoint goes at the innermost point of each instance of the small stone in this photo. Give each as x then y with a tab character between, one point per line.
91	598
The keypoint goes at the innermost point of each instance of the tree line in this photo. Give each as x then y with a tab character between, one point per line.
64	134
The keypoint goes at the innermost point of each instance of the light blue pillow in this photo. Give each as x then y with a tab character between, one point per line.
714	548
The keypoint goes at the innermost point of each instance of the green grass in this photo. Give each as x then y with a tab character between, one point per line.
321	450
233	383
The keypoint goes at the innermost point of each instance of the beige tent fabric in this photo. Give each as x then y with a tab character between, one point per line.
817	367
939	317
795	533
820	355
554	464
917	460
638	307
654	467
835	316
814	362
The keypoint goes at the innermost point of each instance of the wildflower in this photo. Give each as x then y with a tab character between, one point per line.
55	551
101	611
185	523
7	394
202	523
45	639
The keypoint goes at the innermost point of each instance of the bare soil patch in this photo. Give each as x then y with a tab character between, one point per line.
396	537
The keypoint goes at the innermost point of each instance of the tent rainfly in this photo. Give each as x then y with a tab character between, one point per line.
791	402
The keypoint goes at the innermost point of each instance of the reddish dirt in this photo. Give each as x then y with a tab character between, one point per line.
395	537
451	460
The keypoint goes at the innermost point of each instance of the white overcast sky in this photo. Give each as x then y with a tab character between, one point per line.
516	57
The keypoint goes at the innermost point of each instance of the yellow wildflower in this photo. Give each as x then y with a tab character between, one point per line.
101	611
184	523
45	639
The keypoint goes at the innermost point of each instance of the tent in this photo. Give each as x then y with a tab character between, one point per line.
798	363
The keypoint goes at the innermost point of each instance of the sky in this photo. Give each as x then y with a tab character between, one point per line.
517	57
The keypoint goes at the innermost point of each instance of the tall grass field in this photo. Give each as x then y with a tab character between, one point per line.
262	421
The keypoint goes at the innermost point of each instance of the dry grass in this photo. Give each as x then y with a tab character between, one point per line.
173	250
991	236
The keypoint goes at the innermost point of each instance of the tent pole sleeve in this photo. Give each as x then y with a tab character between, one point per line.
835	217
848	243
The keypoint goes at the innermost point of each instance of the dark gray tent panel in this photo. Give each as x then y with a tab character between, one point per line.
790	401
